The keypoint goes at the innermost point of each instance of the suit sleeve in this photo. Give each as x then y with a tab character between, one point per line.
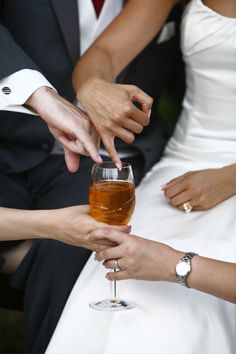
12	57
19	76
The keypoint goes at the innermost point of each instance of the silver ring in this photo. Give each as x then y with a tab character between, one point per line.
116	264
187	207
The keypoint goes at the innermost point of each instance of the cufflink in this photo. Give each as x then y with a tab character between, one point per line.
6	90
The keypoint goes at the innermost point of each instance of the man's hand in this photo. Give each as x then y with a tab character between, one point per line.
112	110
68	124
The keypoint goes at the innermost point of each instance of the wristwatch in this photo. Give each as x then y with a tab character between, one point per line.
183	268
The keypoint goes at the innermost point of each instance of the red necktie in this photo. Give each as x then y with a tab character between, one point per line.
98	5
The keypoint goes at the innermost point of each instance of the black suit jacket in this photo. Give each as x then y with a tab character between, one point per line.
44	35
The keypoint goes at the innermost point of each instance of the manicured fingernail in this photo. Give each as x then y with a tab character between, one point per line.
119	166
163	186
149	113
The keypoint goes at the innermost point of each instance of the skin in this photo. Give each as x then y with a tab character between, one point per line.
140	258
110	106
150	260
68	124
70	225
203	189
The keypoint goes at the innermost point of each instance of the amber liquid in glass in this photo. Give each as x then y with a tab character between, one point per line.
112	202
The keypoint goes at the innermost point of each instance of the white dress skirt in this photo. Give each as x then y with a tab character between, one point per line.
169	318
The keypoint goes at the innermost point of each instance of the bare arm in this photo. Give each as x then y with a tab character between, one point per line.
109	106
70	225
120	43
150	260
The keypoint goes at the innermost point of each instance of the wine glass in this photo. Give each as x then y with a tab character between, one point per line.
112	200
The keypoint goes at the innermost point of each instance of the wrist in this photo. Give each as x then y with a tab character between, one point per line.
230	176
88	88
43	224
174	257
168	257
37	99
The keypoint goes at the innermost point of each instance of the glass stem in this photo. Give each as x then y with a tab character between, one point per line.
113	290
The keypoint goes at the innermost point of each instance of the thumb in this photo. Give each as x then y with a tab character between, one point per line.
123	228
71	160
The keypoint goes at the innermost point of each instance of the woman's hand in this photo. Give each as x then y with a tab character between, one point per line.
203	189
137	257
112	110
73	225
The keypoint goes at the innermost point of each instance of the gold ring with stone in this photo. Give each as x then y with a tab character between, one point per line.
187	207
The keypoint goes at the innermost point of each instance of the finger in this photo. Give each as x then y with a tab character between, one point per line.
120	275
109	234
109	145
71	160
89	145
142	98
122	133
180	198
103	244
114	264
109	253
132	126
193	205
123	228
69	143
175	189
176	179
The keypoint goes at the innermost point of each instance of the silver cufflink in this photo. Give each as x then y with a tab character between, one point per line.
6	90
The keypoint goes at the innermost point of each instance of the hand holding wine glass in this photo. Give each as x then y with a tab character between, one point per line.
112	200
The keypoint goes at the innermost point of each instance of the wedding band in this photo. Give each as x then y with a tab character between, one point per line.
187	207
116	264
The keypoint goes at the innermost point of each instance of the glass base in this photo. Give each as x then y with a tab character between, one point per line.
113	305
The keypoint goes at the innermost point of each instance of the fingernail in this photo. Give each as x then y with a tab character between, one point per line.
129	228
99	159
119	166
163	186
149	113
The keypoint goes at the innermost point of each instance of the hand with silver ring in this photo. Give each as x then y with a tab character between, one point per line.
116	264
187	207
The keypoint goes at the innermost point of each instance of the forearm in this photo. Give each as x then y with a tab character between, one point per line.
12	58
207	275
230	177
128	34
213	277
18	224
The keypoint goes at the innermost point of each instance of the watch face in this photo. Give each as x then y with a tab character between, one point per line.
182	268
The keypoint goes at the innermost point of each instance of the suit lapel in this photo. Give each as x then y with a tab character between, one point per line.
67	15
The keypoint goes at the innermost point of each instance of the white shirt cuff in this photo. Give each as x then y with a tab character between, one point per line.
18	87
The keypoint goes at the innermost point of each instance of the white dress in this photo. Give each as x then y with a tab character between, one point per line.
170	318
